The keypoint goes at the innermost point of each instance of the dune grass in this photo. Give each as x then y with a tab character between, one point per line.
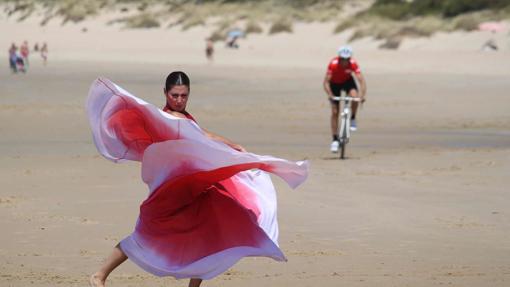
281	25
394	26
389	20
253	27
77	11
143	20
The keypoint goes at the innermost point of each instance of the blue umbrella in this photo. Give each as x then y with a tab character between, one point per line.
235	33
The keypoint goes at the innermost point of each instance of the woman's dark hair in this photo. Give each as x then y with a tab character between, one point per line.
177	78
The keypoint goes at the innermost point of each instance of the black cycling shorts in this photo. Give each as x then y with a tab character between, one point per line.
346	86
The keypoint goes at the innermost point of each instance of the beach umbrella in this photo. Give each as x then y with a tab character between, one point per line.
491	26
235	33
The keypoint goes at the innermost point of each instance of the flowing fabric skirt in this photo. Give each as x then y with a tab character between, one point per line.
209	205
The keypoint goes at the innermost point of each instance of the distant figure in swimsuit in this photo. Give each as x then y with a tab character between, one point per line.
44	53
13	58
209	50
24	51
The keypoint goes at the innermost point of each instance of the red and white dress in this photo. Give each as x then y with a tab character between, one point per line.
209	205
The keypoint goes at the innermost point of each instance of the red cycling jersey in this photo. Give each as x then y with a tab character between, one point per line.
339	74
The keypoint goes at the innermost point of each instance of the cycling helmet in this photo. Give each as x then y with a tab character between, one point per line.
345	52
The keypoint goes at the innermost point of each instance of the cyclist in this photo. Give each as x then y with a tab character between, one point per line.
339	77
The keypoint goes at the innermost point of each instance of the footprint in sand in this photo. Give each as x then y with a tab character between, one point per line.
460	222
450	168
9	201
316	253
111	238
87	253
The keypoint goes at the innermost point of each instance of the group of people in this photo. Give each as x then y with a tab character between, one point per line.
231	42
19	57
343	74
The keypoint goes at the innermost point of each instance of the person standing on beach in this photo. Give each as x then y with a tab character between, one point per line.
13	58
24	50
210	202
44	53
340	77
209	50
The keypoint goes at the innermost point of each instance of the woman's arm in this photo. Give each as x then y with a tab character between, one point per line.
213	136
224	140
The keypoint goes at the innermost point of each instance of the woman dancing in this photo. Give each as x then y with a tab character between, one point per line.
211	203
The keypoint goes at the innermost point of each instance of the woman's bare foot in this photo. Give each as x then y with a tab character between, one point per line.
96	280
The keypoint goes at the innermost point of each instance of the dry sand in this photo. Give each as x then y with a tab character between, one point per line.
421	201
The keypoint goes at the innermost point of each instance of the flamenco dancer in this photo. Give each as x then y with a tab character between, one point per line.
210	204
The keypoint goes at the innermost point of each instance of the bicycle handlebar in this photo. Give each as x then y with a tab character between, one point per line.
347	99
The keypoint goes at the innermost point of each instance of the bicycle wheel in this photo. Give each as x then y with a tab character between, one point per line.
343	139
343	145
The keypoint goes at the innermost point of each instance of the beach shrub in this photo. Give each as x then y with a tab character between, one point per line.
281	25
224	24
457	7
253	27
358	34
399	9
26	13
142	6
466	23
144	20
18	6
391	43
46	19
218	36
344	25
392	9
77	11
192	22
428	25
189	17
413	31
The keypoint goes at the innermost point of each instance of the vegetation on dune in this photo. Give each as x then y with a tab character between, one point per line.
253	27
400	9
395	20
261	10
389	20
281	25
143	20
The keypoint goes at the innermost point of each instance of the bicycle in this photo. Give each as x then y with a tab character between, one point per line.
345	131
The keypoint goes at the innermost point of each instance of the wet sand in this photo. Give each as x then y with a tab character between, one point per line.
421	201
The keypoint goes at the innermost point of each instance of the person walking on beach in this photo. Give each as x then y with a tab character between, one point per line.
210	202
24	51
340	77
209	50
13	58
44	53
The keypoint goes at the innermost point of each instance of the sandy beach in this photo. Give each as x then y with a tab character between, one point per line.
422	199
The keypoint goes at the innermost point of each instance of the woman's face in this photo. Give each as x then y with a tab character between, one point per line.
177	98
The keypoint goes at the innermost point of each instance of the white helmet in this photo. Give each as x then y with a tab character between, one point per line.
344	52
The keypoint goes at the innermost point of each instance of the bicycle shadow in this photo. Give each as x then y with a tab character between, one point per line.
338	158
